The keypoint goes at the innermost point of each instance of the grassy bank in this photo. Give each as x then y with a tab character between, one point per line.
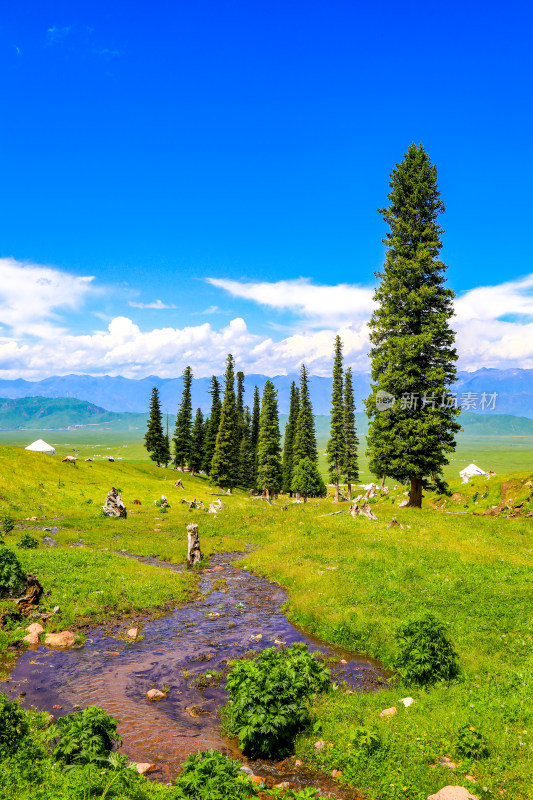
350	581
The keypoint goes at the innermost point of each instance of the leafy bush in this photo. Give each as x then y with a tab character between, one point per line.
269	698
12	577
13	726
366	739
8	523
209	775
471	743
426	654
85	737
27	541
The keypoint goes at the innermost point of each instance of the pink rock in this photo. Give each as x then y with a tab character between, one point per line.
319	745
343	661
336	773
256	779
453	793
298	763
132	633
389	712
145	767
31	638
35	627
62	639
155	694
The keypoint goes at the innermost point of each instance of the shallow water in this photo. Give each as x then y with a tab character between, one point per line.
175	651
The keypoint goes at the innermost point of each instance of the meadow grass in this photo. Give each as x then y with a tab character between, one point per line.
353	582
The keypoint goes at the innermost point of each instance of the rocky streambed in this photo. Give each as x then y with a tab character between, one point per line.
185	655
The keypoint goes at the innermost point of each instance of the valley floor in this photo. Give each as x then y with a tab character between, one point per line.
352	582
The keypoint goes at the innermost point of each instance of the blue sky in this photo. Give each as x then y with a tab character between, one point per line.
227	159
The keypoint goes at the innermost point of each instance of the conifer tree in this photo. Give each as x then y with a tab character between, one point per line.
224	467
154	439
288	442
239	415
247	453
304	437
183	430
212	424
336	447
268	447
307	480
413	354
196	458
351	462
254	436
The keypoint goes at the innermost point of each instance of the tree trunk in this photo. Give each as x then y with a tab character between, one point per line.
194	554
349	490
181	464
336	499
305	498
415	495
383	482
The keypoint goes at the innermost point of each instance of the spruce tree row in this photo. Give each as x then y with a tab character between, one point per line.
239	446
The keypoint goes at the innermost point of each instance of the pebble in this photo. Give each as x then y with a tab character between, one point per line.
35	627
132	633
62	639
407	701
453	793
155	694
145	767
319	745
298	763
444	761
389	712
336	773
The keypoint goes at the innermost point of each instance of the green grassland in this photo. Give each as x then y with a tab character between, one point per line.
350	581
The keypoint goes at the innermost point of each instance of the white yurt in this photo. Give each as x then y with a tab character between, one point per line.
40	446
471	471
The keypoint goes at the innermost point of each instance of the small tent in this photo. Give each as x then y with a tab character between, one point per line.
471	471
41	447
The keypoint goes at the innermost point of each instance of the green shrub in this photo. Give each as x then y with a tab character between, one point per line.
85	737
27	541
269	698
12	577
209	775
366	739
425	653
13	726
8	523
471	743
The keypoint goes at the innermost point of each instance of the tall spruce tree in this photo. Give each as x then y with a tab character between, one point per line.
212	424
288	441
336	447
268	447
224	467
413	354
183	429
247	453
305	437
351	441
154	439
196	458
256	412
239	416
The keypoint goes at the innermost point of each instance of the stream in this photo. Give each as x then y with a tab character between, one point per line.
178	651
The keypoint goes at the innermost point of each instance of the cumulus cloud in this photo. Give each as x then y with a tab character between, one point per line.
494	327
157	304
31	296
319	304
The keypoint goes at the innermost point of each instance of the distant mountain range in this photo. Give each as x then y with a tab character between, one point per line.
514	388
41	413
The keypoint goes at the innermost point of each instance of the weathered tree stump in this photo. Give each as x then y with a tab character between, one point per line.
114	505
179	484
31	598
371	491
194	554
363	510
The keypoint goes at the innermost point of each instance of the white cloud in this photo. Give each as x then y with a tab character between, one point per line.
494	327
31	296
319	304
157	304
